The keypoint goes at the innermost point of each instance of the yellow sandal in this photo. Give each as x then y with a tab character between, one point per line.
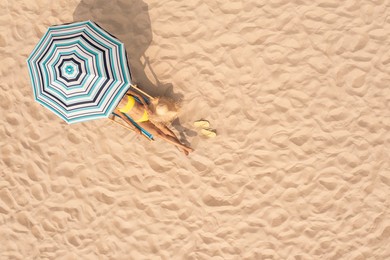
210	133
202	124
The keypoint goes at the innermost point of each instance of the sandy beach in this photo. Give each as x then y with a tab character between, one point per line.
298	92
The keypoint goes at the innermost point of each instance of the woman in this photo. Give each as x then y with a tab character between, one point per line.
152	118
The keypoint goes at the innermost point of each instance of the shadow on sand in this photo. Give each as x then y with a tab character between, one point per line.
129	21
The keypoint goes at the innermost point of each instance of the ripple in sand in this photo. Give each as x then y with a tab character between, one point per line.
275	54
290	194
23	218
13	119
7	198
74	137
231	7
300	137
280	139
275	216
37	192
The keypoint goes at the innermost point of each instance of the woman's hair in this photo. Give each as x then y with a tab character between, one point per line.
164	109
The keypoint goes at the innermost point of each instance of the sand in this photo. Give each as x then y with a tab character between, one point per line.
298	92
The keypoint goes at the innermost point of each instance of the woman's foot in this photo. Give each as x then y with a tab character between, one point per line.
187	150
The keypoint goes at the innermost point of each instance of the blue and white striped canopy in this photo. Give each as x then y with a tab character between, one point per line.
79	71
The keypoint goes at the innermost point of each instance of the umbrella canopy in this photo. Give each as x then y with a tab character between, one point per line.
79	71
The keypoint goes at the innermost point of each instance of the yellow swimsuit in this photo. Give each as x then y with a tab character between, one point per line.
130	104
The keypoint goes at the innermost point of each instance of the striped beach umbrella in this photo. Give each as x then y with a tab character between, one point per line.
79	71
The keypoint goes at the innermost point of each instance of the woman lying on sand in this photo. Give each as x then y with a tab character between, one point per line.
153	118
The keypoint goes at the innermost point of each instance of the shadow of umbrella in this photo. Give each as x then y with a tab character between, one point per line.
129	21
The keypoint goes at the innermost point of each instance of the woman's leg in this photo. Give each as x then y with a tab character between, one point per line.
155	130
169	132
165	129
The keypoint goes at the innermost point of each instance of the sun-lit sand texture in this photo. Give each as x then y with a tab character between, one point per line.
298	91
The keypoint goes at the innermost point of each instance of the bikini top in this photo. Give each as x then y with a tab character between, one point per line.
129	106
